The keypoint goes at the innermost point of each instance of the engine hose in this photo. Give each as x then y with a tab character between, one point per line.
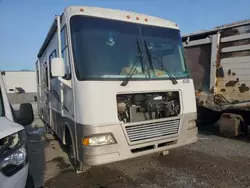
218	101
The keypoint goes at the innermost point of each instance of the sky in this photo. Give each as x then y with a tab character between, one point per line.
24	23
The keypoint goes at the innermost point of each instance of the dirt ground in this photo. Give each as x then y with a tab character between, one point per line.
213	161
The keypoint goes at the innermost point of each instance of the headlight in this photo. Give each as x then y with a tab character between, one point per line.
96	140
191	124
13	153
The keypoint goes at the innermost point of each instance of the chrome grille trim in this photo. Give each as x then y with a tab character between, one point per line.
152	130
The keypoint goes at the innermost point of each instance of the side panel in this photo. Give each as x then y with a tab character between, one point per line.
38	86
58	93
44	102
235	61
198	61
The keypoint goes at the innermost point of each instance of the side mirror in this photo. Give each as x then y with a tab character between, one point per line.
57	67
26	114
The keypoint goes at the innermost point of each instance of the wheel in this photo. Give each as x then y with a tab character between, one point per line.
77	165
47	128
207	116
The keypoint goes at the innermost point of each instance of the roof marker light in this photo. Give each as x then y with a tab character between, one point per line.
128	16
82	10
146	19
137	18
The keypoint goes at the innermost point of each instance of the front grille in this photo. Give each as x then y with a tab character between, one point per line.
152	130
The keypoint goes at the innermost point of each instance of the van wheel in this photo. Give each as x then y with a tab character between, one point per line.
78	166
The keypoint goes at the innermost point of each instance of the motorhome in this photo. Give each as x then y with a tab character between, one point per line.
14	163
113	85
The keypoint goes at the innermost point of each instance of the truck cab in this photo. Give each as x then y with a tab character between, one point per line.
14	163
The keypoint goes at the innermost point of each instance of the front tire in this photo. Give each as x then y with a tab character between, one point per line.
207	116
78	166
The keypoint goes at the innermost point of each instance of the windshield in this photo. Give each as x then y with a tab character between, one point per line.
106	49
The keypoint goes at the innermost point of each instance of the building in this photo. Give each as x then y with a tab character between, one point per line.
21	85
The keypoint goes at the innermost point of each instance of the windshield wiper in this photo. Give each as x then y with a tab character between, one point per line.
152	56
134	66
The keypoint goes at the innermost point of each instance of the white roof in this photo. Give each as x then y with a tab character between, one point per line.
119	15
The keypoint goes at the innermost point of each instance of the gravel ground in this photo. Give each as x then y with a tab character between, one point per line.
213	161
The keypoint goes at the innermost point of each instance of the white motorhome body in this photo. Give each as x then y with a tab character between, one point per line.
110	101
13	147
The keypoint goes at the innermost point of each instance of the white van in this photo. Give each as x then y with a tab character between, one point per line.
13	142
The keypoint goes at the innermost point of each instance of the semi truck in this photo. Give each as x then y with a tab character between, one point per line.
113	85
219	62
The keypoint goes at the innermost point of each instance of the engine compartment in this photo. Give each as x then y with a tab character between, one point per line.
147	106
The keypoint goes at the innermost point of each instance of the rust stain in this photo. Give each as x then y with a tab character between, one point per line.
220	72
235	43
235	54
218	53
233	73
229	72
223	90
212	90
219	69
243	88
201	103
231	83
197	93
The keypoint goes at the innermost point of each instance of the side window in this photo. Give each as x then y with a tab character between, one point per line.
52	55
2	104
37	77
65	50
46	77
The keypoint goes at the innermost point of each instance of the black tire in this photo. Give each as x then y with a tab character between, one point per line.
47	129
78	166
70	149
207	116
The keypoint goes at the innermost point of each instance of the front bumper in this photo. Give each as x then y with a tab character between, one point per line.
18	180
97	155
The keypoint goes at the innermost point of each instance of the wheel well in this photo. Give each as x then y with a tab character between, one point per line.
67	136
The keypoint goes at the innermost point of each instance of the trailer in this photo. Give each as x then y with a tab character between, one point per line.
113	85
219	62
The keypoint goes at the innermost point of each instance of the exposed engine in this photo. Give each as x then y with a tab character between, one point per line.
146	106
